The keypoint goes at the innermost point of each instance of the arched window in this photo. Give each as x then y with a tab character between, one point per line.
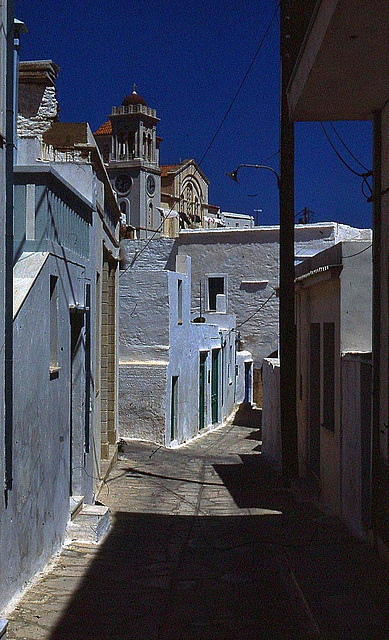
196	211
150	216
131	145
124	207
189	201
106	153
122	146
149	147
144	146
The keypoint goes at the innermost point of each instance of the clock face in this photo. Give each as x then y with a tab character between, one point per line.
123	183
150	185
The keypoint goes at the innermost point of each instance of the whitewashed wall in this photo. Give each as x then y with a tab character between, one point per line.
271	419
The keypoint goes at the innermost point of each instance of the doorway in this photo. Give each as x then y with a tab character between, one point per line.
215	386
202	388
314	399
77	401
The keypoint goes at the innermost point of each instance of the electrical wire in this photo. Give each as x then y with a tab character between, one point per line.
365	175
358	252
135	258
346	147
357	173
257	311
241	84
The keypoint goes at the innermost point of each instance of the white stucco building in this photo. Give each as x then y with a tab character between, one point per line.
63	324
243	264
179	372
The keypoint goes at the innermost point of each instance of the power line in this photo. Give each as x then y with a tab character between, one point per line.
357	173
257	310
137	255
241	84
346	147
358	252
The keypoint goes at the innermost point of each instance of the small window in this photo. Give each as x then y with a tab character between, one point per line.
150	216
54	362
179	301
215	287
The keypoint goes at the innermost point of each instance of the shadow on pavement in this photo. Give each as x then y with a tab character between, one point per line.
162	577
167	577
248	416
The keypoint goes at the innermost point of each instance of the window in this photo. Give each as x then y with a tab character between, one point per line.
54	363
215	287
124	210
150	216
179	301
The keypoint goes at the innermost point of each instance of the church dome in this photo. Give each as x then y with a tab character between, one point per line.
133	99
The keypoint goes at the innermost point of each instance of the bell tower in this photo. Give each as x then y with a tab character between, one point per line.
129	145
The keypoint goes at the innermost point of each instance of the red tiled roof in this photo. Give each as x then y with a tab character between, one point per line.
104	130
166	168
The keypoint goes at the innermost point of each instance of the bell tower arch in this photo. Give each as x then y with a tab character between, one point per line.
129	145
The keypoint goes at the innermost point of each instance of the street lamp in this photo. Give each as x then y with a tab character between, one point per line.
234	174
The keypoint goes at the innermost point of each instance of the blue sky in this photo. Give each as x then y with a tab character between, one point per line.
188	60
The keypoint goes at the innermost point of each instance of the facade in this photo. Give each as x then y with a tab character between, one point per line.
66	225
243	264
189	366
340	72
236	220
334	339
129	145
6	134
333	311
184	198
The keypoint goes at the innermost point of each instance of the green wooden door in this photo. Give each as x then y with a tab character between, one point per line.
202	382
215	386
173	409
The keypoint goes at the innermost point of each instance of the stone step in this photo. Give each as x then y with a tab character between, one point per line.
76	503
90	525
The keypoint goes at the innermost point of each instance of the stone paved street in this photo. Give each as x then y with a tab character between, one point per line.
206	545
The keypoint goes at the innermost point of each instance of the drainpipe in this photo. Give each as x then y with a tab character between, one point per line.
13	32
9	160
377	204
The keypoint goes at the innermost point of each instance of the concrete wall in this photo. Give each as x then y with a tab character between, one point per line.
142	401
271	420
332	287
34	522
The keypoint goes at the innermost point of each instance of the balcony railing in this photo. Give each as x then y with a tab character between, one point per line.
134	108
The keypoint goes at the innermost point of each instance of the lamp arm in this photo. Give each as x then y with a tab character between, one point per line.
260	166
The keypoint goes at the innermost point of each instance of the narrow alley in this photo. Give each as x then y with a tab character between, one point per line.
205	543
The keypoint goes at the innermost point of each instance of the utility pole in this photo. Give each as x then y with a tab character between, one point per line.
287	326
